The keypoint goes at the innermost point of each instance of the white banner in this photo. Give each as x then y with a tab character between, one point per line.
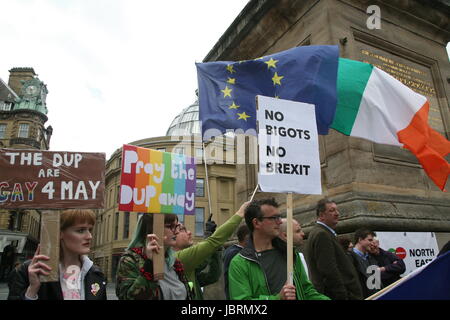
288	147
415	248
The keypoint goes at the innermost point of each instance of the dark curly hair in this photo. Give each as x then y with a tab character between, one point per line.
254	210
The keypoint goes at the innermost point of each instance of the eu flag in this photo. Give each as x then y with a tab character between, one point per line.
227	90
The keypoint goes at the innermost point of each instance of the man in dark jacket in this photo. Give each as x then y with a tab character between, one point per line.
365	264
391	266
332	272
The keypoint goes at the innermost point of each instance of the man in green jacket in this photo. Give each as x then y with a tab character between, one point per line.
192	256
259	271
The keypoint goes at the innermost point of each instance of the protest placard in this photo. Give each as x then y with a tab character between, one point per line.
288	147
36	179
157	182
51	180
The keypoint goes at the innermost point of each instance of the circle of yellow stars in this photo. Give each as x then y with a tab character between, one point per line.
227	91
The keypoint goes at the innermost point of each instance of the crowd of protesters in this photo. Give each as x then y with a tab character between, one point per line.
331	267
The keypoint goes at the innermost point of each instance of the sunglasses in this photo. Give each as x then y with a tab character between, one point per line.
276	217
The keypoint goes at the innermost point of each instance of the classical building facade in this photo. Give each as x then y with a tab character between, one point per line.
114	229
375	186
23	115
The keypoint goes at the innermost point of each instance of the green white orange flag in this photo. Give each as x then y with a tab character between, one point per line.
375	106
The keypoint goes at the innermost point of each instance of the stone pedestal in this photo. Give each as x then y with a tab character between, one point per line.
375	186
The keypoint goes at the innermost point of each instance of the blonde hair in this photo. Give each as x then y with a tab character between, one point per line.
71	217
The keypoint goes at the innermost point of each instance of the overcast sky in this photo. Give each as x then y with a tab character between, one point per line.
117	71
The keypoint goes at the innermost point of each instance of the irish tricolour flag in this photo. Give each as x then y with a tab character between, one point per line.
375	106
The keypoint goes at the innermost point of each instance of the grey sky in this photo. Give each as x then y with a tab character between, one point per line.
117	71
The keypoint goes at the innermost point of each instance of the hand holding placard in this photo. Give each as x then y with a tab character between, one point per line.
152	246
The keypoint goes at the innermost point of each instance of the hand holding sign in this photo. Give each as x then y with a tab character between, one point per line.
35	269
152	246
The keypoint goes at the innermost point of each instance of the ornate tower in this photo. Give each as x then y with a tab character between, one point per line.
23	114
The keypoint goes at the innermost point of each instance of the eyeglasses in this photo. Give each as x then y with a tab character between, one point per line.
276	217
173	227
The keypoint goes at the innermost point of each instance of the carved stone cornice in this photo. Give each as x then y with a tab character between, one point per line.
26	141
435	12
20	112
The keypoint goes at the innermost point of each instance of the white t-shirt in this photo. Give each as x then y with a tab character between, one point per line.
302	257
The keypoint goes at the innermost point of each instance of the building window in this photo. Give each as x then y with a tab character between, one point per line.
161	149
126	225
199	221
19	221
2	130
179	150
100	228
12	220
5	106
23	130
199	153
107	228
116	227
200	188
111	197
180	218
104	235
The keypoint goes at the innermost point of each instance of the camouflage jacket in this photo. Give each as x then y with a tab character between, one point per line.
135	280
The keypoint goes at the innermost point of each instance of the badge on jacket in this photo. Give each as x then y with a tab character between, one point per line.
95	288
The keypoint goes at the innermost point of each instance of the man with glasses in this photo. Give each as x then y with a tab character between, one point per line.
259	271
331	270
195	256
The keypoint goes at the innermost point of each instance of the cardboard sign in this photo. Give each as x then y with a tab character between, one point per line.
38	179
157	182
415	248
288	147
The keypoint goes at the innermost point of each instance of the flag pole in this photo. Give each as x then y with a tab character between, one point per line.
254	192
290	256
207	180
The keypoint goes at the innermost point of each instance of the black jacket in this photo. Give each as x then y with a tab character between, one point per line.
52	290
393	264
361	265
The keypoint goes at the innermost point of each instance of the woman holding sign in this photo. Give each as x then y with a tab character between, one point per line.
79	279
135	277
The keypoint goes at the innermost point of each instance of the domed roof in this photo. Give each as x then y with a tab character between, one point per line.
186	123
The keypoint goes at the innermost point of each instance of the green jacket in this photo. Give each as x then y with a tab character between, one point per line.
194	256
247	280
